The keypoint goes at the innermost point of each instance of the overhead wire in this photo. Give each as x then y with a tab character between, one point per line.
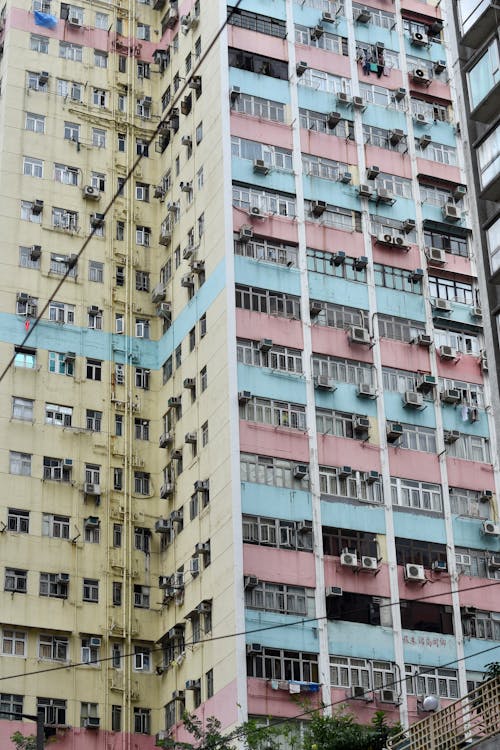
163	121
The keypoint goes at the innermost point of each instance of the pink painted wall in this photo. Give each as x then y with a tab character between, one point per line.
399	354
321	236
457	265
262	44
414	465
263	131
334	451
335	342
470	474
439	587
392	256
479	597
389	161
223	705
321	144
279	565
465	368
77	738
267	440
358	583
393	80
416	7
264	701
363	711
272	226
436	90
446	173
321	59
253	325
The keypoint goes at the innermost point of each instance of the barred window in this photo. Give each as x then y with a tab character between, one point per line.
380	96
320	80
276	532
322	262
340	424
470	448
408	493
340	316
343	370
277	664
267	200
451	289
279	597
336	217
280	358
435	195
447	242
399	381
310	120
381	138
357	486
255	106
418	438
272	156
381	18
335	540
391	277
256	22
268	250
466	343
320	166
418	552
473	562
277	413
398	186
438	152
430	110
399	329
267	301
328	41
422	680
272	471
349	671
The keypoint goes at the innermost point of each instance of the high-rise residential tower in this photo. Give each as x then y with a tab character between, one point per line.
248	450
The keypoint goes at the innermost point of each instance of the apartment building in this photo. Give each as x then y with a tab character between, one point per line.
249	450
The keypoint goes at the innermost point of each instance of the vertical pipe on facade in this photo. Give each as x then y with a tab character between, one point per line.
232	376
320	597
440	444
490	380
377	362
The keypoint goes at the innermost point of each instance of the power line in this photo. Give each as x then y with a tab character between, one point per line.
161	123
233	635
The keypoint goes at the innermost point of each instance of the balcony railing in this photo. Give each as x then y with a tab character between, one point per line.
462	724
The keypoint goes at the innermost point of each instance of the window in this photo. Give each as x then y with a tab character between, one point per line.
100	60
142	539
71	131
143	32
16	580
141	483
69	51
370	674
277	664
275	532
142	720
94	369
32	167
116	718
54	584
98	137
90	590
342	370
65	175
24	357
485	74
59	312
272	471
276	358
35	123
276	597
28	258
18	521
53	647
92	530
141	428
11	704
13	642
61	416
421	680
54	711
143	236
167	370
101	21
277	413
117	593
88	711
488	156
69	89
450	289
142	378
141	596
268	302
55	526
407	493
39	43
99	98
418	438
62	364
27	213
399	329
64	219
117	535
96	271
90	650
268	201
355	487
22	408
470	448
142	328
340	424
203	325
20	463
199	178
142	147
463	342
204	434
56	469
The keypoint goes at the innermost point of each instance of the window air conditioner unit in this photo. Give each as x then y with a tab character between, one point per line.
343	98
62	578
419	40
358	335
360	263
244	397
260	167
441	305
364	16
96	220
37	206
358	103
187	281
436	256
333	119
35	252
447	353
414	572
423	340
303	527
345	178
385	196
459	192
369	563
485	496
188	252
202	548
265	345
359	693
191	437
396	136
345	471
338	258
332	591
159	192
318	208
361	425
176	632
324	383
178	695
327	17
92	489
301	67
451	396
74	21
93	310
413	399
420	118
254	648
164	310
166	490
164	582
425	383
174	402
366	391
246	233
451	436
348	559
256	211
420	75
439	66
451	212
394	431
197	266
317	32
372	476
372	172
92	522
417	275
494	562
400	94
250	582
177	516
476	312
92	722
300	471
388	696
490	528
91	193
234	93
439	566
165	439
315	307
201	485
158	293
424	141
365	191
67	462
186	187
189	383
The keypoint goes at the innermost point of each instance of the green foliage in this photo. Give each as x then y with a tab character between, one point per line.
492	670
23	743
342	732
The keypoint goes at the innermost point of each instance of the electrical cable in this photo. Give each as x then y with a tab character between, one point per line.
163	120
230	635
